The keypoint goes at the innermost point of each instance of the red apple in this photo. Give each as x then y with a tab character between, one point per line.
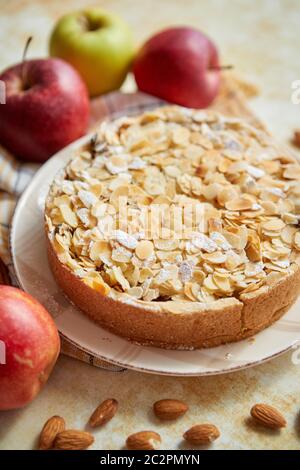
47	107
29	347
179	65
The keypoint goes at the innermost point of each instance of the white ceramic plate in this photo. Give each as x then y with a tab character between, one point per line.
35	277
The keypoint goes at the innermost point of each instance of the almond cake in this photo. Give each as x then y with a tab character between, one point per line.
177	228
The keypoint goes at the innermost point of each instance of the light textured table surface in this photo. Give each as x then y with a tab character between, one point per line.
261	38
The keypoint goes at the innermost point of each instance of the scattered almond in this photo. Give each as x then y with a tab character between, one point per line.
169	409
201	434
51	428
104	412
73	439
268	416
143	440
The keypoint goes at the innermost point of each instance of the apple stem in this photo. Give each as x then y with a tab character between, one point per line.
222	67
24	60
93	143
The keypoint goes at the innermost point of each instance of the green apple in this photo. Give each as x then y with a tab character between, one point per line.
98	44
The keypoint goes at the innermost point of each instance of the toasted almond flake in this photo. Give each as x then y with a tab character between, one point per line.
215	258
289	218
120	278
233	260
198	276
191	290
252	269
292	172
204	243
136	292
150	295
97	284
121	254
137	164
285	263
84	215
123	179
273	225
271	194
227	194
180	135
144	249
240	204
62	201
297	241
99	209
273	277
236	237
220	240
125	239
269	207
87	198
209	283
116	165
254	171
99	248
67	187
252	287
222	283
166	244
68	215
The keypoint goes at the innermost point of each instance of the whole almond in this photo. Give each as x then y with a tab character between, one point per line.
143	440
51	428
168	409
201	434
104	412
72	439
268	416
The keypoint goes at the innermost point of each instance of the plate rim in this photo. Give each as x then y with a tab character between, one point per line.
123	365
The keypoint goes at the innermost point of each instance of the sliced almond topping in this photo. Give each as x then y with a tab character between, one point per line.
68	215
228	200
222	282
180	135
144	249
292	172
136	292
287	234
98	249
297	241
125	239
239	204
120	278
215	258
273	225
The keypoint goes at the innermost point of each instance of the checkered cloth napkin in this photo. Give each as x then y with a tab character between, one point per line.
15	177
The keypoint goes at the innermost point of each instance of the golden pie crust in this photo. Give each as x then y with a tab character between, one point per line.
223	280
